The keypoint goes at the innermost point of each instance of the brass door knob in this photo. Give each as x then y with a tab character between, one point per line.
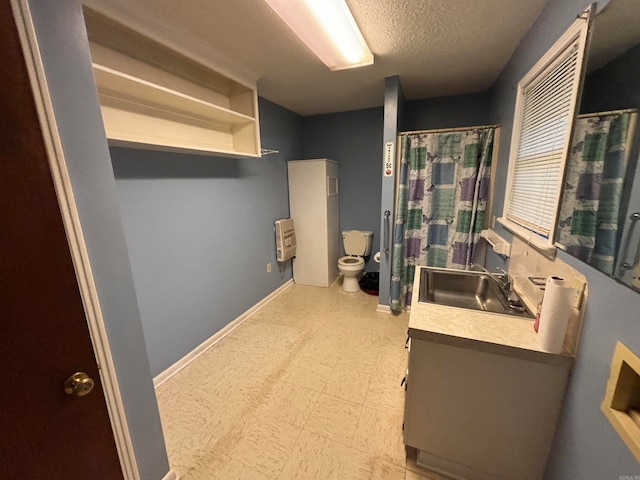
79	384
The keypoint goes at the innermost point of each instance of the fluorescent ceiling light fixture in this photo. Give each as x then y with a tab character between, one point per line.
328	29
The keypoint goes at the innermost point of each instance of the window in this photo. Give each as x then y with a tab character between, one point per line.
545	109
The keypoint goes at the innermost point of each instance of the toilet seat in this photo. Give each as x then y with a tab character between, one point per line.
351	262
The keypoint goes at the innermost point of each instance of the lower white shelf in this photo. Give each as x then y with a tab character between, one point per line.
142	126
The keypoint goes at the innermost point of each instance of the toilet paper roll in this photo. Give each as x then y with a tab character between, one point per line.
554	314
376	257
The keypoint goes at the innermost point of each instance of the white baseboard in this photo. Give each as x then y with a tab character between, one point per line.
383	308
171	476
387	309
216	337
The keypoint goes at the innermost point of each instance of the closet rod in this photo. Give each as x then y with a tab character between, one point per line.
457	129
610	112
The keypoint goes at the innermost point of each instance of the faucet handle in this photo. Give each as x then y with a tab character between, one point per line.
506	280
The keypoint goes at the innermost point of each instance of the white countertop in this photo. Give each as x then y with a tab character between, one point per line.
485	331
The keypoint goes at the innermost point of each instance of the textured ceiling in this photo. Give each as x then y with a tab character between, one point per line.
436	47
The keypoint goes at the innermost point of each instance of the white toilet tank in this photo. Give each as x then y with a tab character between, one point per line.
357	242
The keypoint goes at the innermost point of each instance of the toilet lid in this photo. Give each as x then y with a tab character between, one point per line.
354	242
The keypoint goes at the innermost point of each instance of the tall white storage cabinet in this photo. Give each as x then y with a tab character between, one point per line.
313	203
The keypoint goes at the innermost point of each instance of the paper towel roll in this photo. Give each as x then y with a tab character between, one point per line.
376	257
554	315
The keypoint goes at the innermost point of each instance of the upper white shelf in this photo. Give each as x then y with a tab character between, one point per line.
153	97
127	88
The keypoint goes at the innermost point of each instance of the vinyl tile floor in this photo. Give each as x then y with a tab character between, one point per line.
308	387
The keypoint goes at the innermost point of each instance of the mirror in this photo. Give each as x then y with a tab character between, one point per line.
599	216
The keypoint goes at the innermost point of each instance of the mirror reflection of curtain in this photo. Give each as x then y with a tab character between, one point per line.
442	196
590	207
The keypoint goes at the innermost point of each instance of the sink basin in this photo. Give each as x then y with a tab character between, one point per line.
467	289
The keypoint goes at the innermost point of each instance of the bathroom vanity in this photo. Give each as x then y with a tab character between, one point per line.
482	399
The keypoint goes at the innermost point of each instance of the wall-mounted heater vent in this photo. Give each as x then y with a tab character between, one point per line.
285	240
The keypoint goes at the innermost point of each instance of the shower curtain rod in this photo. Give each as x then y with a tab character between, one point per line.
457	129
610	112
496	125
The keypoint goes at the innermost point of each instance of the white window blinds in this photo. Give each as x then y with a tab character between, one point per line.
545	109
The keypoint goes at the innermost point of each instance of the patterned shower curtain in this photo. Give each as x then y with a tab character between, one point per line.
590	206
442	197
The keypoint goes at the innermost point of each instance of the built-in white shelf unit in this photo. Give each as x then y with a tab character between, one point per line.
154	97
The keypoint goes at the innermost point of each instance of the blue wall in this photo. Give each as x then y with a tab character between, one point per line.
586	445
447	112
64	48
355	140
200	233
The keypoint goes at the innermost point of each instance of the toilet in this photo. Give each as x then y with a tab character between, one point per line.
356	245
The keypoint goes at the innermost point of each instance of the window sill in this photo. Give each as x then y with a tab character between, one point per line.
529	237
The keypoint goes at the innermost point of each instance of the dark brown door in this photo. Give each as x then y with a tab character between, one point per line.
44	432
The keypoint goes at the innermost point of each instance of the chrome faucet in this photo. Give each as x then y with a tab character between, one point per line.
504	281
506	287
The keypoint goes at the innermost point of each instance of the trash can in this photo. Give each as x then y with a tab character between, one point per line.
370	282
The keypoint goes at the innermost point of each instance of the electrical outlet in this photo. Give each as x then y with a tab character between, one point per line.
269	267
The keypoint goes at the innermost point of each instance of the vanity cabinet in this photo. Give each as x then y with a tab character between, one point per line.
476	414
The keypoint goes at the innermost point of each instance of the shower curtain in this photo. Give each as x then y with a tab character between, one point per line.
590	206
442	196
